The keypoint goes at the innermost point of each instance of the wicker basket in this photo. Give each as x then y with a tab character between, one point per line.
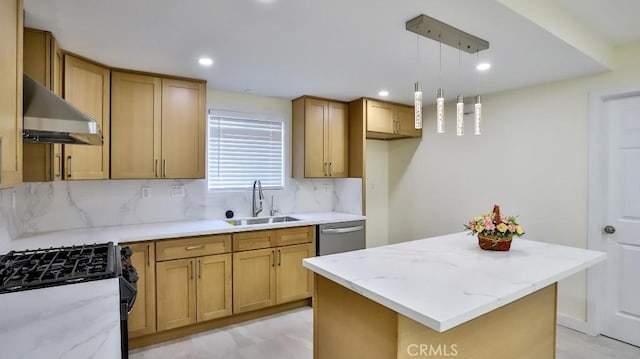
494	243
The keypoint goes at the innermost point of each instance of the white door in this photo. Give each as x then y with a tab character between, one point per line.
622	305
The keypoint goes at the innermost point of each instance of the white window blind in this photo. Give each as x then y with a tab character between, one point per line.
242	150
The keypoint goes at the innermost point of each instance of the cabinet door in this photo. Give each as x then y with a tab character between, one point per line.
11	93
183	129
379	117
316	113
37	158
135	125
338	139
293	280
214	286
142	319
86	86
254	280
405	122
176	293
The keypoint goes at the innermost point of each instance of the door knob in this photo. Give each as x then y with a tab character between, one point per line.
609	229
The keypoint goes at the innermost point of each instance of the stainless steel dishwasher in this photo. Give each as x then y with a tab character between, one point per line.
340	237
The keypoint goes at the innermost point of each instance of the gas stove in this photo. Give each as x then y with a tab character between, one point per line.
39	268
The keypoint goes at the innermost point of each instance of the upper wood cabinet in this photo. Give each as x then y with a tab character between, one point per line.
43	63
11	93
142	319
320	138
86	86
183	129
386	120
158	127
135	125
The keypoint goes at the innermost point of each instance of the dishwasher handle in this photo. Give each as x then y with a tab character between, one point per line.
341	230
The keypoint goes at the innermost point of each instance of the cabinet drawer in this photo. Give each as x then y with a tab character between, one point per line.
192	247
295	235
245	241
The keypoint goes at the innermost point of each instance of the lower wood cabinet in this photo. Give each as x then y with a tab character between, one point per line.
254	280
142	319
293	281
193	290
265	277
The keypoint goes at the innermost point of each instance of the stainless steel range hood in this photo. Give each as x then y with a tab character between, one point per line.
50	119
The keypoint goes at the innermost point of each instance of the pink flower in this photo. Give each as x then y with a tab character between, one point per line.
489	226
511	228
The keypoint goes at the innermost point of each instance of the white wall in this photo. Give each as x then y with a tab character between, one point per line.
377	203
531	159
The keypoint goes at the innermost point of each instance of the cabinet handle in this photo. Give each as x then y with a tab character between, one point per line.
331	169
149	255
69	164
164	168
190	248
324	169
273	253
199	268
279	257
155	167
191	269
59	166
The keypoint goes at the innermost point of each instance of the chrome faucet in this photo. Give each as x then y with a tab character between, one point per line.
257	208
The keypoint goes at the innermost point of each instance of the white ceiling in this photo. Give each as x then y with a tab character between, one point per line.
330	48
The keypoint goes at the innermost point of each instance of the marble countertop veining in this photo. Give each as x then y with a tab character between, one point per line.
68	321
445	281
151	231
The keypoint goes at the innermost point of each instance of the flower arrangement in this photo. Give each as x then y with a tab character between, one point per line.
495	225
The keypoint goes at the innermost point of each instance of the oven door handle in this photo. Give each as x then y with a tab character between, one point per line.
341	230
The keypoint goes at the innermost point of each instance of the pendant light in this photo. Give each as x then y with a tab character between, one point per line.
459	104
417	92
436	30
477	114
440	99
477	111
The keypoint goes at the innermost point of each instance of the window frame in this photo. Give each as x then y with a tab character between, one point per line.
272	117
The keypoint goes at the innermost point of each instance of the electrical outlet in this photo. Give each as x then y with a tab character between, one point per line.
177	191
145	191
326	187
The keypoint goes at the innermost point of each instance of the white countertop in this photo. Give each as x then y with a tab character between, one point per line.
445	281
68	321
144	232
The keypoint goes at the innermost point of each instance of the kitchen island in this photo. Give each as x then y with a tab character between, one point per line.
441	297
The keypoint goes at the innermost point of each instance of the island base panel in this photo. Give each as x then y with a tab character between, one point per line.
523	329
348	325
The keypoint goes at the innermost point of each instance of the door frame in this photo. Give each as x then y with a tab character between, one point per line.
596	201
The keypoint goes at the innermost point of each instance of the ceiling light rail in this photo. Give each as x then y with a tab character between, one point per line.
439	31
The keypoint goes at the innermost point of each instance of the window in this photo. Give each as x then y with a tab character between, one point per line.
242	150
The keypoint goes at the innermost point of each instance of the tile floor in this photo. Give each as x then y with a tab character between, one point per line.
289	336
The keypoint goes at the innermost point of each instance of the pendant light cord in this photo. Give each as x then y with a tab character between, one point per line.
440	38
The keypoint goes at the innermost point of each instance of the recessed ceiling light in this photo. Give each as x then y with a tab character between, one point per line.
383	93
483	66
205	61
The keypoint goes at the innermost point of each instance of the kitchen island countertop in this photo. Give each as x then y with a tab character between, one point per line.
445	281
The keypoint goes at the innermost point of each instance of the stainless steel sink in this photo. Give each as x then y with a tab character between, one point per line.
265	220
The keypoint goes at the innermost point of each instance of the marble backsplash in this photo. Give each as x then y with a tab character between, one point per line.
42	207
